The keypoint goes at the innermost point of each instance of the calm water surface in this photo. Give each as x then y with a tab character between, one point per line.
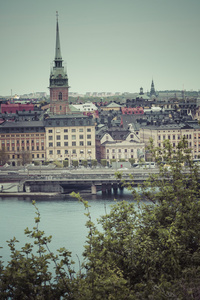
61	216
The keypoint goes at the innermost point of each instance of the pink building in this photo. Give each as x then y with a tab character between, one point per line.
12	108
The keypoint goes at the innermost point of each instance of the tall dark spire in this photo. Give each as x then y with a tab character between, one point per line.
152	91
58	57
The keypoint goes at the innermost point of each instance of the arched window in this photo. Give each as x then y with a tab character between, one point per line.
60	96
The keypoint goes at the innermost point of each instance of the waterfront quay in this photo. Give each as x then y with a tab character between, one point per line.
65	181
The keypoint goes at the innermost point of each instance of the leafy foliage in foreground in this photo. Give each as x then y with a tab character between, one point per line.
148	250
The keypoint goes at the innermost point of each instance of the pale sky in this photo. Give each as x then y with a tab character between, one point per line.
106	45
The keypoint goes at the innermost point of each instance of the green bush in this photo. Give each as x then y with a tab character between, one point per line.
104	162
75	163
65	163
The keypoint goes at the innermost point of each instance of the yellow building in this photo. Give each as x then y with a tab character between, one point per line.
173	133
23	142
70	137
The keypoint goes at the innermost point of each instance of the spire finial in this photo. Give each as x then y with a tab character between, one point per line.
57	16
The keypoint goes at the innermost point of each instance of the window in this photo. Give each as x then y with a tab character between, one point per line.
88	129
168	137
28	148
73	130
58	137
66	151
38	155
42	155
50	145
65	144
107	150
73	143
174	137
58	144
37	147
65	130
81	136
88	136
58	151
51	138
73	137
163	137
74	151
32	155
125	150
113	150
81	130
81	144
50	152
50	130
60	96
65	137
131	136
89	143
32	148
119	150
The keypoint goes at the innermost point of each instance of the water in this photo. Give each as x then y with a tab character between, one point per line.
61	216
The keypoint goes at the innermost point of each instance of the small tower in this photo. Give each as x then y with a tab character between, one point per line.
141	91
152	91
58	82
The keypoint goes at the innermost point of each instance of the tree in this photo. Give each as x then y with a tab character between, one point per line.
94	162
157	246
25	157
146	251
3	157
103	162
84	162
132	160
75	163
65	163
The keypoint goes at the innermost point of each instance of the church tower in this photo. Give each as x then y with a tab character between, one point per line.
58	82
152	91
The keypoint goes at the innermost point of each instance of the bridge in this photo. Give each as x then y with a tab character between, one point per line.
75	182
64	181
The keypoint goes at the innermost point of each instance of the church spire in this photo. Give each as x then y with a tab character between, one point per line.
58	57
58	82
152	91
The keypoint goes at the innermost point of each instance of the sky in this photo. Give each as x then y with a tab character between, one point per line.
106	45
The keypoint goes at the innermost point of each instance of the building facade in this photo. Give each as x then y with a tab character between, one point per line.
119	144
70	138
174	133
23	142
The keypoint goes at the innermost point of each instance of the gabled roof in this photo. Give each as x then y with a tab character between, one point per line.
113	104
